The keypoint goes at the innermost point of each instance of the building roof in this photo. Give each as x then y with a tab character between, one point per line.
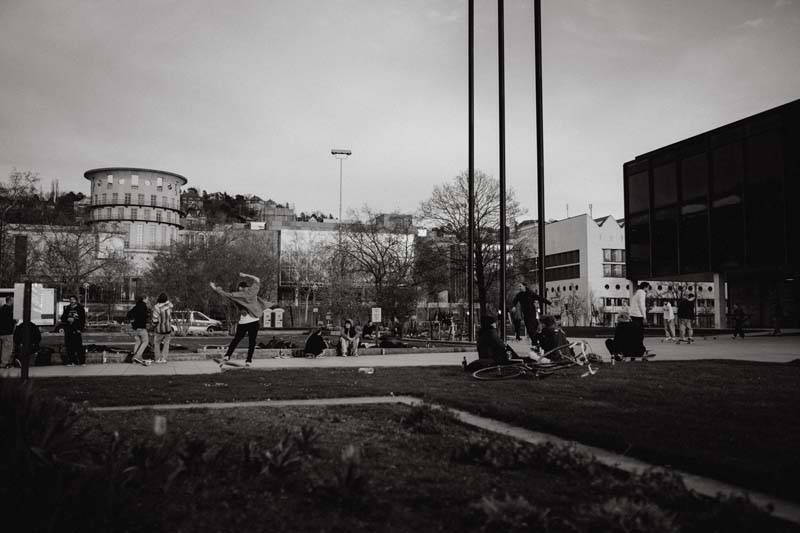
89	173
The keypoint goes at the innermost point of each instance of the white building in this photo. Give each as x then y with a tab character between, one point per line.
586	277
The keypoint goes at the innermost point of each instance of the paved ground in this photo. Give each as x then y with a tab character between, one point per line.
761	348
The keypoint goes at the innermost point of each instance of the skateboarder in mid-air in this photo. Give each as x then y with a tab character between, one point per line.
251	306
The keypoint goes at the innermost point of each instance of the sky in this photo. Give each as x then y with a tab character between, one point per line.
250	96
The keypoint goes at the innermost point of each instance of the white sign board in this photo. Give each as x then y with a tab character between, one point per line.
43	304
376	314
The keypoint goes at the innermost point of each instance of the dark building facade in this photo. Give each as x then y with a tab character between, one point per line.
724	202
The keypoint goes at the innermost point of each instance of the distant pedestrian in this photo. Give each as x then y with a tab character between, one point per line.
315	344
138	316
162	328
515	314
7	324
738	321
34	340
777	316
686	315
251	308
73	320
669	321
527	298
369	330
637	310
348	340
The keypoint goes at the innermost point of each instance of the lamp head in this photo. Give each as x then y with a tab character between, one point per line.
340	151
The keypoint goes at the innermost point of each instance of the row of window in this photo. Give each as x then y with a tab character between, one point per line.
615	302
102	199
611	255
563	258
159	183
141	236
109	213
613	271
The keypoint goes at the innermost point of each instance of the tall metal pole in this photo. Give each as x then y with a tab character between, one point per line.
25	356
537	32
341	257
502	111
471	178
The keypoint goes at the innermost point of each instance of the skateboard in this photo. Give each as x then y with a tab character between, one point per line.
645	357
687	341
228	365
142	362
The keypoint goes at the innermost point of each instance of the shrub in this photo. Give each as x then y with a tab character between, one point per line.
623	515
426	419
351	478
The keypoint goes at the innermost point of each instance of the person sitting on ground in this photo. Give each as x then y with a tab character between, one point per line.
552	340
626	341
348	340
491	349
315	344
369	329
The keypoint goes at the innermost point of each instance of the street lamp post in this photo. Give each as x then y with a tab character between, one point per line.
340	154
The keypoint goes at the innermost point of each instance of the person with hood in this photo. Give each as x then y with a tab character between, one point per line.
348	340
251	308
527	299
491	348
138	317
627	340
162	328
73	320
315	344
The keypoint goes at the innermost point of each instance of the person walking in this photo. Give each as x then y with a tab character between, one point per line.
515	314
34	341
686	315
738	321
73	320
669	321
777	316
527	298
637	310
251	306
7	324
138	316
162	328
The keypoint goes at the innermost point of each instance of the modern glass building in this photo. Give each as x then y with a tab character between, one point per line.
723	203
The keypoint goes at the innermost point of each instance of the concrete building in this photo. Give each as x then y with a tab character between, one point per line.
586	275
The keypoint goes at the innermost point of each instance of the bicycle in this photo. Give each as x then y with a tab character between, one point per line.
580	354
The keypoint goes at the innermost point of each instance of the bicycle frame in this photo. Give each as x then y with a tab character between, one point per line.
579	356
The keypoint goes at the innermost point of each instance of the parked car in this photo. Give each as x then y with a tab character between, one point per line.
194	322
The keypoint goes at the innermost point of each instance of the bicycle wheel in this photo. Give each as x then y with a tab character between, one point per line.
493	373
548	369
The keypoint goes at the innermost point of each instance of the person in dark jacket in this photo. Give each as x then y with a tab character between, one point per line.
552	340
738	321
7	324
34	339
315	344
73	320
527	300
685	317
491	349
138	316
626	342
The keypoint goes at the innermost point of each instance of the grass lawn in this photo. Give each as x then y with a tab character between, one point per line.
734	421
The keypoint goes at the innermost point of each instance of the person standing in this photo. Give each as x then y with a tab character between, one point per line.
348	340
777	316
516	319
138	317
638	310
162	328
738	321
73	320
527	298
250	307
7	324
685	317
669	321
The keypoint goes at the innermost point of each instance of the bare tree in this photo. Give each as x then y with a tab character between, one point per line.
379	248
305	263
447	209
573	307
15	192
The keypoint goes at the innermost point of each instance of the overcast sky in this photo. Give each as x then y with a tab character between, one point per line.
249	96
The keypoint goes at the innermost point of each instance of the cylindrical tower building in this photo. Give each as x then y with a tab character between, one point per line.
145	204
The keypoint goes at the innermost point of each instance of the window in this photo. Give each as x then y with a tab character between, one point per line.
121	181
120	212
140	199
151	234
114	198
638	192
134	213
160	184
104	197
158	216
139	235
109	181
147	214
127	198
134	181
108	212
153	199
163	201
94	200
665	185
172	203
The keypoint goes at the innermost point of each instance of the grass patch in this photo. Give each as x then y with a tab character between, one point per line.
734	421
